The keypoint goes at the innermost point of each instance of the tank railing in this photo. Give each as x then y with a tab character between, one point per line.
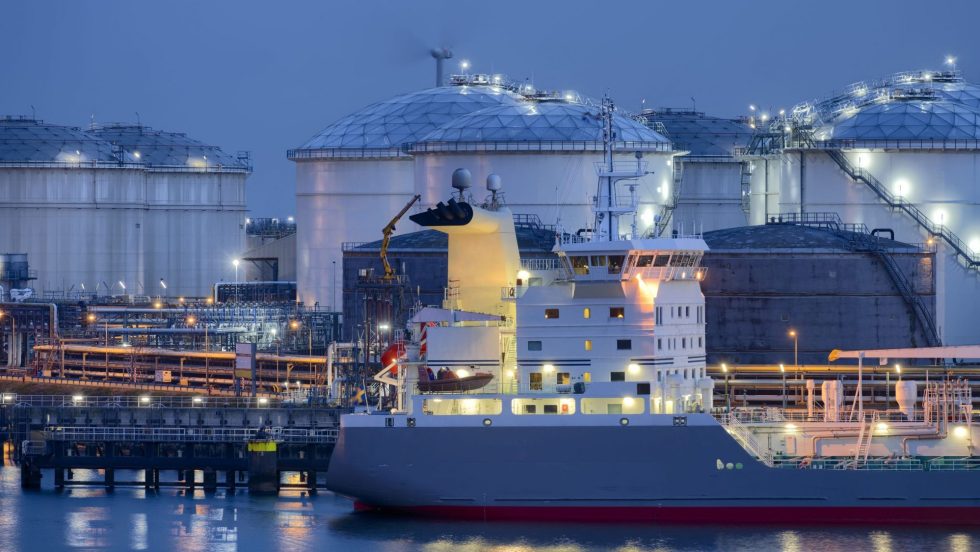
879	463
775	415
529	146
897	202
187	434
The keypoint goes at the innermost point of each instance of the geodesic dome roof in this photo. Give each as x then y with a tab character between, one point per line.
542	126
384	127
26	140
700	134
157	148
909	120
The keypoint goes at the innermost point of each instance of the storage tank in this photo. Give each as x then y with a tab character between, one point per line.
546	149
355	174
906	394
833	398
194	222
898	153
712	178
75	204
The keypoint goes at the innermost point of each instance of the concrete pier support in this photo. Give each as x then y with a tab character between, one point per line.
110	479
230	480
263	467
59	478
30	476
311	481
209	480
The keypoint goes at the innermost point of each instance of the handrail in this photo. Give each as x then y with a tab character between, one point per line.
747	440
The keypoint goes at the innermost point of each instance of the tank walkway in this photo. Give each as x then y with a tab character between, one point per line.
252	440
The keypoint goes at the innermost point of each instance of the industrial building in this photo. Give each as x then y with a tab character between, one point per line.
898	153
356	173
119	209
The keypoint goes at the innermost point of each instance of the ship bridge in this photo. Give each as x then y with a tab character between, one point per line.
645	259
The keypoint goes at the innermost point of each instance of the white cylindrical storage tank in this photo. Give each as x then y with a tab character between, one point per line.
712	179
75	205
546	152
194	223
354	175
906	394
833	398
916	137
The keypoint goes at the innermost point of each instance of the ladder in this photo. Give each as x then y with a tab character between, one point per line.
748	441
864	439
667	209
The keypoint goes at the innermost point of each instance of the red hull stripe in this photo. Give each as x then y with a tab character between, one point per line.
758	515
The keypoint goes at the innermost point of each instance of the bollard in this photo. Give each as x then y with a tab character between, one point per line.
263	468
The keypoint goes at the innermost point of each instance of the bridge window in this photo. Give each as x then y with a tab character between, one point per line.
580	265
598	260
661	260
551	313
616	263
644	261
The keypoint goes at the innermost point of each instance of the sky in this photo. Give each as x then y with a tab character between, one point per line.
265	76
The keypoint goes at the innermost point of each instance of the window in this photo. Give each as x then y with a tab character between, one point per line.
624	344
563	378
660	344
700	342
661	260
683	343
671	312
658	315
586	313
588	344
537	382
616	263
551	409
533	345
617	376
685	373
551	313
617	312
598	260
530	409
587	377
580	265
687	312
660	376
644	261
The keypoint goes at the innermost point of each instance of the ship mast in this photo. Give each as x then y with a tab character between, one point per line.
607	209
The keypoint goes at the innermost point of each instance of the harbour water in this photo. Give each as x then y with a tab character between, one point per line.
132	519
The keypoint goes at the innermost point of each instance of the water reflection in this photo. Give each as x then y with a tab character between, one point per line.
131	519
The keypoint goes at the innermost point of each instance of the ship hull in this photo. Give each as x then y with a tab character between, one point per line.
635	473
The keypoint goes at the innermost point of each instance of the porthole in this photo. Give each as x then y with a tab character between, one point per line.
624	421
487	422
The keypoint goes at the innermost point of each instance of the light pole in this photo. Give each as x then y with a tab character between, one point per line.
333	286
236	262
783	370
91	318
191	321
728	397
796	349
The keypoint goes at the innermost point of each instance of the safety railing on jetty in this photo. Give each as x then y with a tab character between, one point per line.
184	435
145	401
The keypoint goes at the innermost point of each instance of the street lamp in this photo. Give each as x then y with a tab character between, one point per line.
796	349
728	397
236	262
783	370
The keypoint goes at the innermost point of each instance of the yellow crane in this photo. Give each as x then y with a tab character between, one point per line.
388	231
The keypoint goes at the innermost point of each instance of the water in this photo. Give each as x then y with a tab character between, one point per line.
131	519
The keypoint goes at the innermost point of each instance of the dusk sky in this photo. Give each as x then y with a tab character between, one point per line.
266	76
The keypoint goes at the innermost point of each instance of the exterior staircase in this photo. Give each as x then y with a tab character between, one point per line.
867	432
970	258
667	209
745	438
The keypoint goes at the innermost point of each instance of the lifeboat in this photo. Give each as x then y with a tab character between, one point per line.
449	382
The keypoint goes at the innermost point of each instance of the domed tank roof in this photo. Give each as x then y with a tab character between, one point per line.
544	126
702	135
161	149
381	129
27	140
908	120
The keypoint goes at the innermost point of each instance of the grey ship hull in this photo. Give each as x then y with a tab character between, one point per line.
633	473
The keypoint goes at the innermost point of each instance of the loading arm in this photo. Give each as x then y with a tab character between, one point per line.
388	231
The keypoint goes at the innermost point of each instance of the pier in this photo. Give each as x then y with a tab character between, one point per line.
209	442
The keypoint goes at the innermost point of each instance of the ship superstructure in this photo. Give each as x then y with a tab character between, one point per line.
577	390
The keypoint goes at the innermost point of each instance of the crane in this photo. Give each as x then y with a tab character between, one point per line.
388	231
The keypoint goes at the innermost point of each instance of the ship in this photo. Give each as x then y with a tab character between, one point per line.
595	404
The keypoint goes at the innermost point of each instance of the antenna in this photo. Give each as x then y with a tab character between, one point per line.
33	113
440	55
138	122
